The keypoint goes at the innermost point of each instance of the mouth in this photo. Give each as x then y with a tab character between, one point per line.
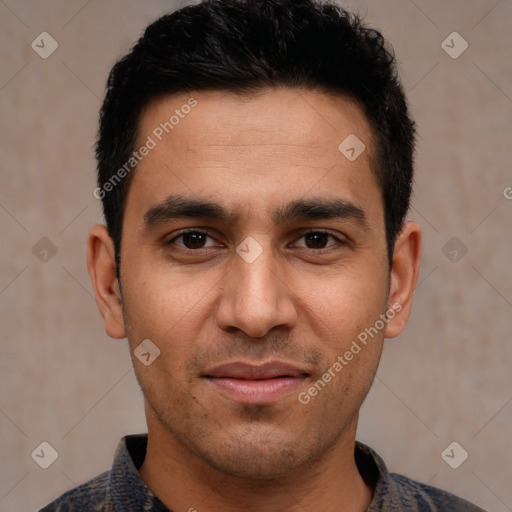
256	384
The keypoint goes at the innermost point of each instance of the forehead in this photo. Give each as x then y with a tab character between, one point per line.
312	117
252	150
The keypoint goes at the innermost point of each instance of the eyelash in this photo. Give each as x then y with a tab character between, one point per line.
205	232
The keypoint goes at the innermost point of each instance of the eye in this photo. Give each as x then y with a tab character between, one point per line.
193	239
317	240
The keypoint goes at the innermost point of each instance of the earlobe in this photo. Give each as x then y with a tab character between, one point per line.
102	271
404	277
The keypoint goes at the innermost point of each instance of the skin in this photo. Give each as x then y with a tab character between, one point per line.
298	302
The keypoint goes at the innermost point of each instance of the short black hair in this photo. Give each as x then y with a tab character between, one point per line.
244	46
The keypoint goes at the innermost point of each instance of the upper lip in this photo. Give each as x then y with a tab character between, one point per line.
248	371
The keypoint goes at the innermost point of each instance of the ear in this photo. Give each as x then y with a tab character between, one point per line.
102	271
404	277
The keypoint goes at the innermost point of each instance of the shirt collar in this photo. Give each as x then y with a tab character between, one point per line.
127	492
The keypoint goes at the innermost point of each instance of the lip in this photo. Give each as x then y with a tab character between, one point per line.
256	384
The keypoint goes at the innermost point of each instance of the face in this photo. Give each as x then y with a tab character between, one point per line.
254	256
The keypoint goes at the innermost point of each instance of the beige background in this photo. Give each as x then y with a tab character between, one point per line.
448	378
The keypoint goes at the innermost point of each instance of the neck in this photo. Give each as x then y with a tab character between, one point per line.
183	481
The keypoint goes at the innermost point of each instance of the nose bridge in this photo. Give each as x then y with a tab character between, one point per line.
258	283
254	298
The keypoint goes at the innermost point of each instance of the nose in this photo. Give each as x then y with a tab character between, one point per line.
255	297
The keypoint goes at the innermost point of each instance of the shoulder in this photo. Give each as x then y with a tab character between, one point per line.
425	498
87	496
399	493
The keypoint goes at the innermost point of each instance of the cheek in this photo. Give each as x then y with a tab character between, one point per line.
171	309
334	398
341	306
163	296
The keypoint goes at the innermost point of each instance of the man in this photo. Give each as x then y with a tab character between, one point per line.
255	169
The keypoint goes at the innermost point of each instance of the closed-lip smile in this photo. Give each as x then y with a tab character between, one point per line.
250	383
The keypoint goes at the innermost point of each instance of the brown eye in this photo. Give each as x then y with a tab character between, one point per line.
316	240
192	240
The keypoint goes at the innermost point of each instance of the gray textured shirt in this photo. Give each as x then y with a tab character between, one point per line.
122	489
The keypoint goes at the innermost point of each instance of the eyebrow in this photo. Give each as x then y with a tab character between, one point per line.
317	208
179	207
322	209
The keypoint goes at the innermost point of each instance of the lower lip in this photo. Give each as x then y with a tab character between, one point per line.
256	391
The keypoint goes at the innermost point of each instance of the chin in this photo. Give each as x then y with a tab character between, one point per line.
256	464
260	455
